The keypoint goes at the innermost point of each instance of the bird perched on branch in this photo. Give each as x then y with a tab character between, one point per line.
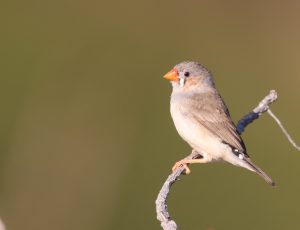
203	120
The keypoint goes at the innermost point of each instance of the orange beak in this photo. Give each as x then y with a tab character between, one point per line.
172	75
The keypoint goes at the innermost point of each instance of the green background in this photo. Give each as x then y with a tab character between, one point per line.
86	138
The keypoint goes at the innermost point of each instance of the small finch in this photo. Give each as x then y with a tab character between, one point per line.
203	120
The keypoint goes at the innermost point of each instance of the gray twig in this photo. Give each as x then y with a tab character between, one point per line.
262	107
161	202
288	136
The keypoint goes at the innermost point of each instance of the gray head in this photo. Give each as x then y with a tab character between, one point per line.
190	75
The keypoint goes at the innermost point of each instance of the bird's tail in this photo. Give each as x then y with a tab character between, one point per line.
259	171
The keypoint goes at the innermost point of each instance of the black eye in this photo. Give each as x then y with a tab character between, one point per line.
186	74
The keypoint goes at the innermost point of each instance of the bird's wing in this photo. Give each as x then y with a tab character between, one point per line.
210	111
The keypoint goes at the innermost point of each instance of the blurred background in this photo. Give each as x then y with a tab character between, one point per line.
86	137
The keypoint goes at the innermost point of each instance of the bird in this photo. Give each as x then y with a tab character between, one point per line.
202	119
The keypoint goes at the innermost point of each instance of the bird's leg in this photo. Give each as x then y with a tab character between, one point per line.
196	158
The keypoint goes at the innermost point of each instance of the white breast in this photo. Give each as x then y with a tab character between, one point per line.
196	135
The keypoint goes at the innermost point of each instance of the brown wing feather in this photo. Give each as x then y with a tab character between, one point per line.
211	112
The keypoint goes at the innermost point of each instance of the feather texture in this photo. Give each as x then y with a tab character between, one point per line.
202	119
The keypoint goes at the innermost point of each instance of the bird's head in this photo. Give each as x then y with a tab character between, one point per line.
189	75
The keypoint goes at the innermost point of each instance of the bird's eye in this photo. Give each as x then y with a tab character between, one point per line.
186	74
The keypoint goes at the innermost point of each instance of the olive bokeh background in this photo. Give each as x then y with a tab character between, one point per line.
86	138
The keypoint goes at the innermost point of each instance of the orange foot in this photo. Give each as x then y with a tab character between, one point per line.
184	163
179	164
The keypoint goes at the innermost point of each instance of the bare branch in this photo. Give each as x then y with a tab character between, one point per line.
161	202
288	136
262	107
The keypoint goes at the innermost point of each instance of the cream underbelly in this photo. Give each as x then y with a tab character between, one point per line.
198	137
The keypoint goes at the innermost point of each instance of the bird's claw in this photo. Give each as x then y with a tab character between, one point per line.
181	164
